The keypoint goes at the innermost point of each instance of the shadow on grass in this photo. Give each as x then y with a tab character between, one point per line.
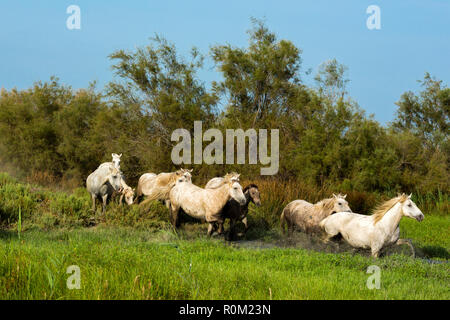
433	252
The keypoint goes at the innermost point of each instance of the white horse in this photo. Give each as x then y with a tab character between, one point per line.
157	187
204	204
376	231
115	161
127	193
102	183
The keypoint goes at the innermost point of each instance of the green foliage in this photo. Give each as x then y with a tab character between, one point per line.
47	209
428	113
52	133
260	81
331	80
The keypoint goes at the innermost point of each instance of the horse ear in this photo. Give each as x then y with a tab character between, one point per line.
120	155
334	195
190	170
409	197
112	155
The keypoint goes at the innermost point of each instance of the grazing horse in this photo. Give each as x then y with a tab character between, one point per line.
377	230
307	216
233	210
157	187
102	183
204	204
127	192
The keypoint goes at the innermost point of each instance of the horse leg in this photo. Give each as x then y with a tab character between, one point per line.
105	199
329	232
121	199
245	222
327	238
211	229
375	250
174	215
93	202
408	242
290	228
138	199
220	230
232	231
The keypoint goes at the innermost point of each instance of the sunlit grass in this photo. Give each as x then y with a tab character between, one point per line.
133	252
128	264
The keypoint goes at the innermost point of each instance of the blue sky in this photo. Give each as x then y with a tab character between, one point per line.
414	38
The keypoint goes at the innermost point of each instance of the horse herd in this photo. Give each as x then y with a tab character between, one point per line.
224	198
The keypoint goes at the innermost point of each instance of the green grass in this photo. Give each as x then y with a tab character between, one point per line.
122	263
431	236
133	253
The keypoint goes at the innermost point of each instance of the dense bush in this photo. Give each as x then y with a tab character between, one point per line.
52	133
46	208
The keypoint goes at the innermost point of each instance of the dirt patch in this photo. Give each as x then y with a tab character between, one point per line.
301	240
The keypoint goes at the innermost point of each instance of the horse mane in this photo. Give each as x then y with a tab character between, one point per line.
380	210
231	175
228	178
252	185
328	203
166	182
170	177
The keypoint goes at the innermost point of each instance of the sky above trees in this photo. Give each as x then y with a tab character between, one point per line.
382	64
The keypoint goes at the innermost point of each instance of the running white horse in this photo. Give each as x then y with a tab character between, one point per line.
157	187
204	204
376	231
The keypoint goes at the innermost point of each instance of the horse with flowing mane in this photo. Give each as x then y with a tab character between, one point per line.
157	187
307	216
204	204
375	231
233	210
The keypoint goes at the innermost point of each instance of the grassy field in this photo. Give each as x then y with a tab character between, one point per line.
132	253
121	263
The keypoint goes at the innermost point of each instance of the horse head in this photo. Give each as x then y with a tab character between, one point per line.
236	191
252	192
116	160
129	195
115	178
187	174
339	204
410	209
